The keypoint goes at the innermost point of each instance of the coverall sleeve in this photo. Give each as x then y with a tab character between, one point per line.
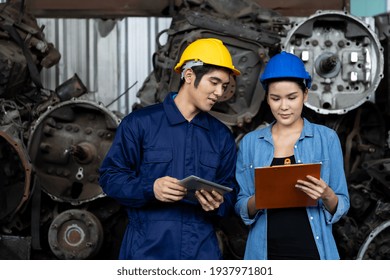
119	172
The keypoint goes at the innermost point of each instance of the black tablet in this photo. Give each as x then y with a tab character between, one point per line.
194	183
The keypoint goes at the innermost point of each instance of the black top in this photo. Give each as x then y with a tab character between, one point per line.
289	232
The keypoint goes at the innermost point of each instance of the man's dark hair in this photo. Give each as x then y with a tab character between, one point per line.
200	71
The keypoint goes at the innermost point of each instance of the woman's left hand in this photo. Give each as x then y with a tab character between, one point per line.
317	188
313	187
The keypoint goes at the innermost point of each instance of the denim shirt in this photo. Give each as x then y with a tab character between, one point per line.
317	143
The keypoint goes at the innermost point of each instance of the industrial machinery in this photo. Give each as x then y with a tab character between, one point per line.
52	143
346	59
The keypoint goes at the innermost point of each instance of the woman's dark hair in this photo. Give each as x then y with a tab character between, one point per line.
300	82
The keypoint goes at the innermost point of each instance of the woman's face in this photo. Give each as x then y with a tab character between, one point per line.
286	100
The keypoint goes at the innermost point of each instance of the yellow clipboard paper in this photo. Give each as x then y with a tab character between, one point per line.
275	185
194	183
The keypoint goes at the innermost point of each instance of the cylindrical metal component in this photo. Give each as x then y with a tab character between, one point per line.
75	234
74	154
328	64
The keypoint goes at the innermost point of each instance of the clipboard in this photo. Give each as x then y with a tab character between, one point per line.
275	185
194	183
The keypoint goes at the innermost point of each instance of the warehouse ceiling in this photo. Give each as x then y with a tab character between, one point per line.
162	8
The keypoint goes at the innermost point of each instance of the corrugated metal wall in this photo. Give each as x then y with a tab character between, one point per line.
108	56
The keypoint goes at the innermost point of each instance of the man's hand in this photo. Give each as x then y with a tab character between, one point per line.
167	189
209	200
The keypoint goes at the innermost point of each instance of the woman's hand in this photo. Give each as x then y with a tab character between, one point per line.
317	188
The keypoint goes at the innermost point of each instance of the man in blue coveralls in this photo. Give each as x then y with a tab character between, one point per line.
156	146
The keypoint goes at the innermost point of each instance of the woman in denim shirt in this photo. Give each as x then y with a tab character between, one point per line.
291	233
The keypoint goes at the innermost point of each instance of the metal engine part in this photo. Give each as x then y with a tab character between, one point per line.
68	137
343	56
362	134
72	88
13	72
15	247
75	234
15	173
66	146
361	234
23	50
377	244
247	41
380	170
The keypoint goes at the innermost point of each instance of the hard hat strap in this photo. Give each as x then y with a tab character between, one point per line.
188	65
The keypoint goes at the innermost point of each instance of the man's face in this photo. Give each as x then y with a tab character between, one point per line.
210	89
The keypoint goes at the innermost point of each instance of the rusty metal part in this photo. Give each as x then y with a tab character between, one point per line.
13	69
75	234
27	27
15	174
23	50
72	88
67	144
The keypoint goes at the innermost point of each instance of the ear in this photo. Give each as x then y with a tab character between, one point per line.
188	75
305	95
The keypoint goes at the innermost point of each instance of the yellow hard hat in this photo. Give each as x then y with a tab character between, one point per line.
209	51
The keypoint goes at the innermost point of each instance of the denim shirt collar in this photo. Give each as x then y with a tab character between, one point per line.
175	117
307	131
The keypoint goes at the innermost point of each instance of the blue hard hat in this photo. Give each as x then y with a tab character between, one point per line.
285	65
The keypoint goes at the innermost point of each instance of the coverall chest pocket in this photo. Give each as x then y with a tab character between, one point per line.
157	163
208	165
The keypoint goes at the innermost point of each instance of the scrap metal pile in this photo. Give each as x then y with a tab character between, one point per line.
52	142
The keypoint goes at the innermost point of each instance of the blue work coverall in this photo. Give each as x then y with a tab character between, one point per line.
154	142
